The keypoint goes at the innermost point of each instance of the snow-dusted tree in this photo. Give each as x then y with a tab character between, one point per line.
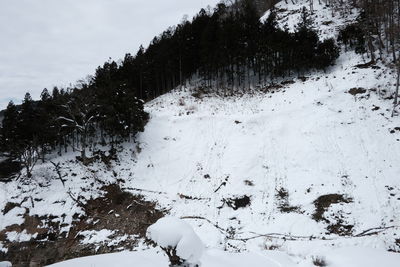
177	238
81	113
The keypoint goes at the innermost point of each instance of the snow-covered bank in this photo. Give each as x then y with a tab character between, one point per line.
352	257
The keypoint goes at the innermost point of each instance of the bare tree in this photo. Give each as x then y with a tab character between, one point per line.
80	116
29	157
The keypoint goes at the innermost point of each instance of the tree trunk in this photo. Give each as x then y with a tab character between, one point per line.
83	148
396	95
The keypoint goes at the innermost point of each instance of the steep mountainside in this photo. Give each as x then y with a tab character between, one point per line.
300	170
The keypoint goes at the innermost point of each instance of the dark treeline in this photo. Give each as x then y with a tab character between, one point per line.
227	49
76	118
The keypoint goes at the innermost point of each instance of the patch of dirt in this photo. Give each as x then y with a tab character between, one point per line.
340	227
119	211
319	261
282	196
357	90
200	92
288	82
303	78
323	203
337	224
125	212
248	182
328	22
106	158
9	206
392	131
272	88
375	108
367	65
239	202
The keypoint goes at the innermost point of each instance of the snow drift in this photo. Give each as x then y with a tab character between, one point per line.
169	232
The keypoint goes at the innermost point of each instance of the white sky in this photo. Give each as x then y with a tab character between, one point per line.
44	43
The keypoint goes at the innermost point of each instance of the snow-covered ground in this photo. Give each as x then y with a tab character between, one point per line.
314	167
327	19
352	257
308	139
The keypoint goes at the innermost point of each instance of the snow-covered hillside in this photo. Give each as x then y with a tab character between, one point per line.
327	18
284	150
300	171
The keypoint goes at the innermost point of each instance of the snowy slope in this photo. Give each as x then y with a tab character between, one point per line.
288	150
310	138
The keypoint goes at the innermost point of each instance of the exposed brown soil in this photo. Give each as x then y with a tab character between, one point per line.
367	65
338	225
323	203
282	196
9	206
340	228
239	202
117	210
356	91
272	88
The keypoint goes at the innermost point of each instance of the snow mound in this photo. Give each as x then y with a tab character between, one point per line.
362	257
5	264
170	232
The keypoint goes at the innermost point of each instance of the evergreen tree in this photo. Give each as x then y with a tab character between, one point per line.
10	131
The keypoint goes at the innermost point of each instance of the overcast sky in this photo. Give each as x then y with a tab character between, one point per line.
44	43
